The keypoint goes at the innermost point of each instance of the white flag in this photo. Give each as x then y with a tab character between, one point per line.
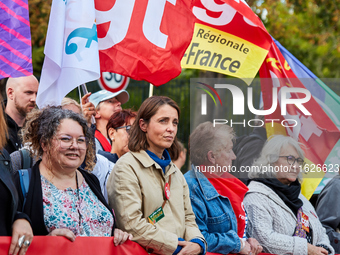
71	50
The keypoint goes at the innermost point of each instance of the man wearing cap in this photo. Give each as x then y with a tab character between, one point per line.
106	103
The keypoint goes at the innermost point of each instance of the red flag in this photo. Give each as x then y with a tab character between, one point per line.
316	131
142	39
228	38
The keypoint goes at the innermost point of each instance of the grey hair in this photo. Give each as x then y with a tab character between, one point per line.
42	125
205	138
270	154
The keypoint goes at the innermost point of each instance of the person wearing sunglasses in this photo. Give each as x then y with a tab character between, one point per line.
280	217
62	198
118	129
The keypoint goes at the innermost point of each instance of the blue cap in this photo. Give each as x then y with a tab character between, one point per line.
102	95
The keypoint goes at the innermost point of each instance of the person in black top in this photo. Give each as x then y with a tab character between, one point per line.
21	94
12	222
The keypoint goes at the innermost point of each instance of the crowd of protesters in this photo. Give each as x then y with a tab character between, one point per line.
121	177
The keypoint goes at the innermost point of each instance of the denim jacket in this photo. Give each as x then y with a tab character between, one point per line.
214	214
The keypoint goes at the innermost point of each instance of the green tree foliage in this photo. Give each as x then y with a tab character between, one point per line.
309	29
39	12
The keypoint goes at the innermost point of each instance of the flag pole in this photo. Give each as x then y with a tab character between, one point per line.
150	90
85	91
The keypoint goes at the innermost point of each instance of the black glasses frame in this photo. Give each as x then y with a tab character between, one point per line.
127	128
301	163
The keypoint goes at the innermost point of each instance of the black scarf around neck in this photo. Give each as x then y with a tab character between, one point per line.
289	194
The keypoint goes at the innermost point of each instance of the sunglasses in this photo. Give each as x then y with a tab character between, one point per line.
127	128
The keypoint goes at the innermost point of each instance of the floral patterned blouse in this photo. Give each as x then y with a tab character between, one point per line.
84	216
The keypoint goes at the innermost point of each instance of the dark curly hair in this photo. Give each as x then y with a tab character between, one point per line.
41	126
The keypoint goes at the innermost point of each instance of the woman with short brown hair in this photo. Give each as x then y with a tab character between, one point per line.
148	192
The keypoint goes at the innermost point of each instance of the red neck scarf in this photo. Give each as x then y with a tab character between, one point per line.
229	186
103	141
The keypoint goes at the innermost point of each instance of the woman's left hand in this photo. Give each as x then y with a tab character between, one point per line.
189	248
120	237
21	228
256	248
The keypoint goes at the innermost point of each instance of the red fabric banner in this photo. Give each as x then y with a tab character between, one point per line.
57	245
317	132
228	38
234	18
312	130
143	39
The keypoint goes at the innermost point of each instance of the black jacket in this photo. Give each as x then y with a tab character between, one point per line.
34	203
247	150
8	197
14	142
328	210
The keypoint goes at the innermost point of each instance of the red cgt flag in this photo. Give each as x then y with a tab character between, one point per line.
144	39
228	38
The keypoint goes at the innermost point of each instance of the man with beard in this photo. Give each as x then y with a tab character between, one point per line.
21	94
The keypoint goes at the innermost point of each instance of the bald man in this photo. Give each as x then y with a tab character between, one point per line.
21	94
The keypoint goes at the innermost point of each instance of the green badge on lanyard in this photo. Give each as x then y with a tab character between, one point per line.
156	216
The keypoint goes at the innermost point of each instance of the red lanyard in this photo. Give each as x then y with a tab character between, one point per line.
167	191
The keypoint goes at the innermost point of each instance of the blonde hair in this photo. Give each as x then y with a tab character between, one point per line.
68	101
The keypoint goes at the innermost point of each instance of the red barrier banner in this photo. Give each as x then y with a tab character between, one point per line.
57	245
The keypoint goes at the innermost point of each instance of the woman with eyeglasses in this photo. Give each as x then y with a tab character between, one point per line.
280	217
63	199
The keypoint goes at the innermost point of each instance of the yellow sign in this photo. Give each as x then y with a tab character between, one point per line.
214	50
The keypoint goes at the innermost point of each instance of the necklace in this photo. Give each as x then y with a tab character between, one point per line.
78	196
